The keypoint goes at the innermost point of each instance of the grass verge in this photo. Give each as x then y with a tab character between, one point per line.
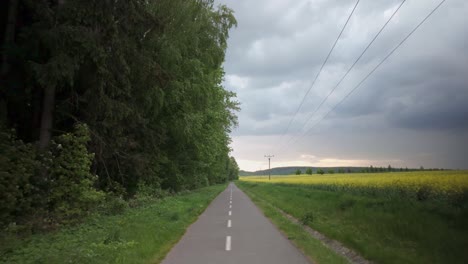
139	235
310	246
382	230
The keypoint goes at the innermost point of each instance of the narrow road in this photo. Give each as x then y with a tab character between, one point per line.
233	230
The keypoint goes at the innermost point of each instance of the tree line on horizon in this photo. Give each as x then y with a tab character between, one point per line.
102	100
370	169
330	170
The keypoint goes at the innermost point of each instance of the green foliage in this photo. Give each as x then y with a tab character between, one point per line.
331	171
138	235
233	169
18	165
146	79
320	171
72	194
298	172
151	190
309	171
307	218
113	205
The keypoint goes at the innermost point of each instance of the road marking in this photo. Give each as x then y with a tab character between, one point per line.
228	243
230	212
230	206
230	202
229	223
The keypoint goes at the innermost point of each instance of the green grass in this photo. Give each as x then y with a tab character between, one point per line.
381	229
312	248
140	235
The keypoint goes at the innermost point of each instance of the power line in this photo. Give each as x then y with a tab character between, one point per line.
320	71
349	70
352	66
374	69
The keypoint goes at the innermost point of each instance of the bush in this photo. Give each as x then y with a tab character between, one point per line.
113	205
18	165
309	171
72	194
320	171
151	190
298	172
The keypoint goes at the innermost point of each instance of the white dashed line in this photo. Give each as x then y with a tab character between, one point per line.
230	206
229	223
230	212
230	202
228	243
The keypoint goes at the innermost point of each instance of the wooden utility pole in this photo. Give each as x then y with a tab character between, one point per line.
269	169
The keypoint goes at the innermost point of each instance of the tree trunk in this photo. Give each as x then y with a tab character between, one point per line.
9	33
47	115
47	118
9	37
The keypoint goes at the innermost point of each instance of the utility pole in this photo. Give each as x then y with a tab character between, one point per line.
269	169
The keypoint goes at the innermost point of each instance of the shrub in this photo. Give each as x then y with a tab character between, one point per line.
18	165
113	205
298	172
320	171
309	171
72	194
151	190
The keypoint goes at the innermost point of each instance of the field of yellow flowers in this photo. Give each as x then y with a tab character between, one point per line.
421	184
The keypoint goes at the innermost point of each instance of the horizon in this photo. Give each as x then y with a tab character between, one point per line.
385	167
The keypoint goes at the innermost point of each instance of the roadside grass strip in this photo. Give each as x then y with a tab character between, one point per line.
313	248
143	234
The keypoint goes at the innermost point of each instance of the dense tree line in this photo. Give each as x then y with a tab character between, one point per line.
103	97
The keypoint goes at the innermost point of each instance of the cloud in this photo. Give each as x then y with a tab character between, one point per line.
417	97
237	82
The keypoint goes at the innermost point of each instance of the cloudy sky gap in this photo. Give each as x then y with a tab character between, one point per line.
412	111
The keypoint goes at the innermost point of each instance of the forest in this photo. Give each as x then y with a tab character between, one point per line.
102	100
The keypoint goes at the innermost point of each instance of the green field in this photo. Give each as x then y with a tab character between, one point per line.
411	218
140	235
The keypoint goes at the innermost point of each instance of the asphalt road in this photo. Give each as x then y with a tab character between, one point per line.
233	230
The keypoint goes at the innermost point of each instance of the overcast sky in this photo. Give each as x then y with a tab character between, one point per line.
413	111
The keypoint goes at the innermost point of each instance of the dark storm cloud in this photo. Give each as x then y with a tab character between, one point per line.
278	47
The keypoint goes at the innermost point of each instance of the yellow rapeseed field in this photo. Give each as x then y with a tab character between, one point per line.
441	182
